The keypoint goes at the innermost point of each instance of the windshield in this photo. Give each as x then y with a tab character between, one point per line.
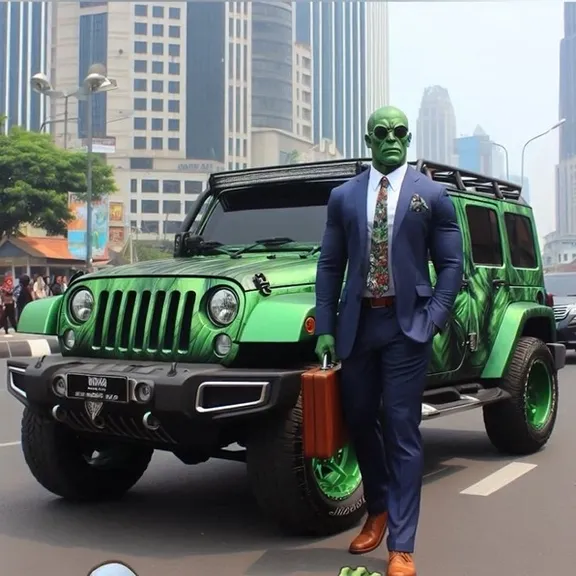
293	211
561	284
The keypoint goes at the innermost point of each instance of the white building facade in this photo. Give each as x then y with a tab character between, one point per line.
182	107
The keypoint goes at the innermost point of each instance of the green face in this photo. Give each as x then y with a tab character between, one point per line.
388	138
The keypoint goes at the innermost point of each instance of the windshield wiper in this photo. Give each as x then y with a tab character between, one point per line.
197	246
311	252
266	242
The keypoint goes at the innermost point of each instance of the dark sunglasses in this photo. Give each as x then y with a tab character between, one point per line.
381	132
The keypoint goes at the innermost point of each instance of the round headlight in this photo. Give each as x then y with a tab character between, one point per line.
81	305
223	307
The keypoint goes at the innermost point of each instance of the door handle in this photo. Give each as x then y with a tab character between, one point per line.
497	283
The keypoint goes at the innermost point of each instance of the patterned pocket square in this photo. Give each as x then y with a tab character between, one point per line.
418	204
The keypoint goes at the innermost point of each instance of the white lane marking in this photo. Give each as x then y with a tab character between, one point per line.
499	479
39	347
8	444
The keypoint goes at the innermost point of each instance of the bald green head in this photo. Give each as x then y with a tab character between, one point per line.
388	138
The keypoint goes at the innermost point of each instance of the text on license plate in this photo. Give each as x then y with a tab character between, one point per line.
97	388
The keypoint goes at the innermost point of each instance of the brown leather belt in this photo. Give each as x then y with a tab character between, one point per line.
382	302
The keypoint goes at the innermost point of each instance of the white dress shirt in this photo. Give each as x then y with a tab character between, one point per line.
395	179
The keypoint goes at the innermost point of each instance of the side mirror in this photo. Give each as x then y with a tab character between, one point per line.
112	569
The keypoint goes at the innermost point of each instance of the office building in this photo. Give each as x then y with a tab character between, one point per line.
476	153
566	169
302	92
349	49
436	127
272	66
182	107
24	51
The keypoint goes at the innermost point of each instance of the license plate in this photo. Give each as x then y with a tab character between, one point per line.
97	388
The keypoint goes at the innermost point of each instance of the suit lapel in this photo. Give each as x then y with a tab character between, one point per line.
361	198
406	191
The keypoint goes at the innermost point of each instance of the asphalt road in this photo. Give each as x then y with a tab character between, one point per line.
202	519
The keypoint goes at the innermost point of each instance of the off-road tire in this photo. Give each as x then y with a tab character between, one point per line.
506	422
284	486
53	453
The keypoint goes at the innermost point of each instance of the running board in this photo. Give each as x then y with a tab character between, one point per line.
447	401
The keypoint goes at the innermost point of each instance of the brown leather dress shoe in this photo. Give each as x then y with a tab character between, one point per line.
371	535
401	564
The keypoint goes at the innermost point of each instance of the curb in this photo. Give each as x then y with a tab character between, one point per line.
36	347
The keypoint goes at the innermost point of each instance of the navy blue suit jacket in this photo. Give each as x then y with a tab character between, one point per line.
421	311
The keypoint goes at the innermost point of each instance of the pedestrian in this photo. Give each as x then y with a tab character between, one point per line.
64	283
56	287
8	313
381	226
39	288
48	283
25	294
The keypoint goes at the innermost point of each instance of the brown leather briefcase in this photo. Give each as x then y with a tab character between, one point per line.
323	430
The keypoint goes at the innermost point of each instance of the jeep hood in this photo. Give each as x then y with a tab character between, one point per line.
287	269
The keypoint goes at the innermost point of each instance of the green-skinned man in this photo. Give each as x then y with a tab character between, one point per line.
382	225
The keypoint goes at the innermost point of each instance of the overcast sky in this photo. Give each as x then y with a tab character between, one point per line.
500	63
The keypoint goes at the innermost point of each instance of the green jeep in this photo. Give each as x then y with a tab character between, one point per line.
203	354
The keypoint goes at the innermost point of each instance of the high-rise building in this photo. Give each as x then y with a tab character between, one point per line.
349	45
475	153
272	54
436	126
24	51
183	105
302	91
566	169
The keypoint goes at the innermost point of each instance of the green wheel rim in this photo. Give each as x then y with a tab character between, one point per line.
338	477
539	395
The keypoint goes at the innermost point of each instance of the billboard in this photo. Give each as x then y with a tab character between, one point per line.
116	213
77	228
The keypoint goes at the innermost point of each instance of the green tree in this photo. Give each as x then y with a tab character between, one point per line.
36	177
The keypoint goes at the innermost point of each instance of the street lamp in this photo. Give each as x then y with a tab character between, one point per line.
506	155
95	81
557	125
40	83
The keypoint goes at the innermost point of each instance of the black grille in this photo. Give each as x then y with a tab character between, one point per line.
144	321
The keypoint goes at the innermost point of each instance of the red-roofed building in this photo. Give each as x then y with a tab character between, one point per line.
48	255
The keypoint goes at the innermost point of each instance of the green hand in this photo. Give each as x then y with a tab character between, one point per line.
326	345
361	571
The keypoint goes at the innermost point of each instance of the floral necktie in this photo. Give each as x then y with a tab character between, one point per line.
378	274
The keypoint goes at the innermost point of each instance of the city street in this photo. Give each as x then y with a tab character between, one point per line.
194	520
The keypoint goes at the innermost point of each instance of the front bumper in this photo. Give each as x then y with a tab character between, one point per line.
188	404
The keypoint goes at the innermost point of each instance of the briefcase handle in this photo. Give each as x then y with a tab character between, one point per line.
326	361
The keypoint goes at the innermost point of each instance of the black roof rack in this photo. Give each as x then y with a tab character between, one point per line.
333	169
455	179
467	181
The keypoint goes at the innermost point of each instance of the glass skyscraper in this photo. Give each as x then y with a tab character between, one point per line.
567	107
24	29
349	44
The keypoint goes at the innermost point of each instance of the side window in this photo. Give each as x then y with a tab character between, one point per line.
521	240
484	236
